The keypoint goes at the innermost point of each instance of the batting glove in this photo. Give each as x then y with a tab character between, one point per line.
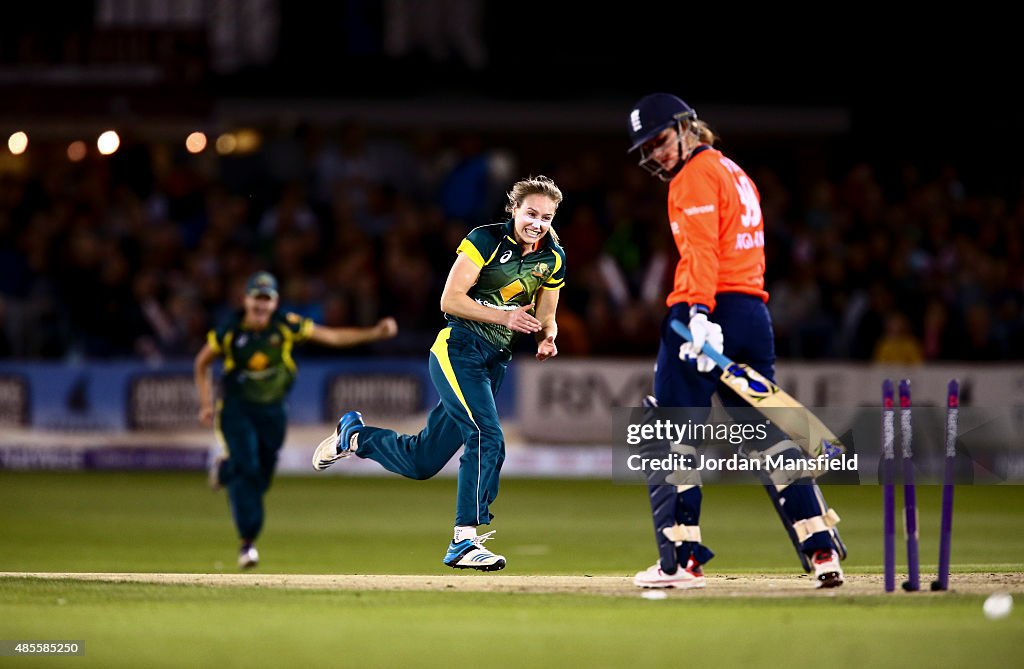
704	332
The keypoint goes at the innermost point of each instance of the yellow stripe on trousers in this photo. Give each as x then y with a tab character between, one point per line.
440	351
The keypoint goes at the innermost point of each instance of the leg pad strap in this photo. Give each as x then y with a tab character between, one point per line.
823	523
681	533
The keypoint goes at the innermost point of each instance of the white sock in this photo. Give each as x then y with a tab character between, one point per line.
463	532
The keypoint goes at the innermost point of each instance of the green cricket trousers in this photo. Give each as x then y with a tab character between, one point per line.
254	434
467	371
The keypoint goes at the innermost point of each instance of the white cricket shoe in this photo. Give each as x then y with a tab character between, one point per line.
341	444
471	554
248	558
826	569
685	578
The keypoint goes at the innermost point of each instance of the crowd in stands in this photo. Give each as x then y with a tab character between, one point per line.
140	253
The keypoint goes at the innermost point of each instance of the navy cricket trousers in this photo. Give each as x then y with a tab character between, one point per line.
747	329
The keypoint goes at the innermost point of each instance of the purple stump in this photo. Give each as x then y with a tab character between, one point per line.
888	496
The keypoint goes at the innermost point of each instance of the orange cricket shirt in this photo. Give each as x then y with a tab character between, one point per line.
715	213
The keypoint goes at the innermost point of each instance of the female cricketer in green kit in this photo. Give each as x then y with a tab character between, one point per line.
256	344
504	282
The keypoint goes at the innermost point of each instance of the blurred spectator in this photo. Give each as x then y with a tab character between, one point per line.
898	346
470	188
138	256
291	219
938	337
981	343
801	328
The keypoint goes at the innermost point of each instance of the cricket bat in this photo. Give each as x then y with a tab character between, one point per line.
801	425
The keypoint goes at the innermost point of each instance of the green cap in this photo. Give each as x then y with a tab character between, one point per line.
261	283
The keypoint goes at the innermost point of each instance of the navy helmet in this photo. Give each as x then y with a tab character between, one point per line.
652	114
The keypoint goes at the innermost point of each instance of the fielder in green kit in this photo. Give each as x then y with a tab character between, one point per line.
504	282
259	370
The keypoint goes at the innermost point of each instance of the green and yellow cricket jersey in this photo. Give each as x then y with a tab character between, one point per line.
258	364
508	279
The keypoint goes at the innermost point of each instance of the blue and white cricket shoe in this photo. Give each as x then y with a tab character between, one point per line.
343	443
471	554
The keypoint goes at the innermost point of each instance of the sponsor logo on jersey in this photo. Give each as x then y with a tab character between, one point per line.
505	256
499	307
511	290
258	362
699	209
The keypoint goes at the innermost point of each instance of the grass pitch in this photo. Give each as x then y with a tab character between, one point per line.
170	523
